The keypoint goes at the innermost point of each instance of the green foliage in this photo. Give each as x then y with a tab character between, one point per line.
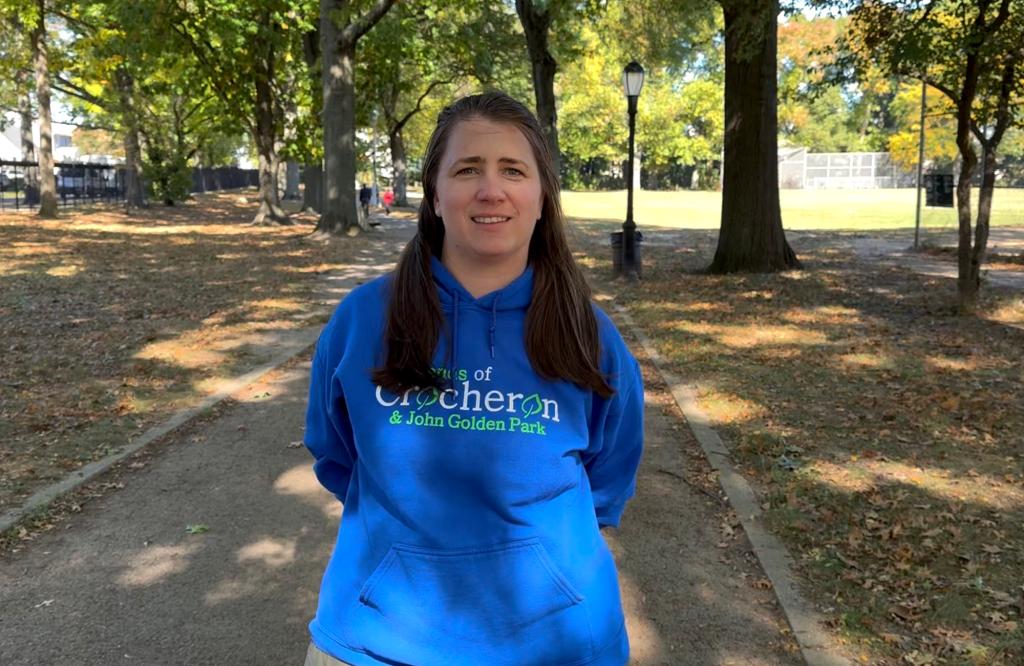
431	50
679	114
168	177
940	128
933	40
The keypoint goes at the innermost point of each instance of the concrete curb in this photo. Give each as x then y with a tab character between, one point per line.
815	645
299	341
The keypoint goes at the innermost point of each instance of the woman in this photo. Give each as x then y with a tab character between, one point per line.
481	421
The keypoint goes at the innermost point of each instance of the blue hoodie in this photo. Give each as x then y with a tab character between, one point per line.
470	532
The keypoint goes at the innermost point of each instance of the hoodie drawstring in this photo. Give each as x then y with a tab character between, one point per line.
453	361
494	321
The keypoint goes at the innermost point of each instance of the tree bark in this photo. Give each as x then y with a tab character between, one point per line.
313	174
47	179
338	49
543	66
971	256
28	146
291	180
313	185
134	196
339	213
265	138
751	238
396	142
981	226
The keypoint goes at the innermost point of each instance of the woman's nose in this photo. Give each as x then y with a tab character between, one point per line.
491	188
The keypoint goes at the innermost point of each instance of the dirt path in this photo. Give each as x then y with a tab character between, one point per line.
124	582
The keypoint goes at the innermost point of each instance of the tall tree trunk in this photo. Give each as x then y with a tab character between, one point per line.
968	278
970	258
536	23
751	238
291	181
312	187
28	145
338	49
313	173
981	226
47	180
339	214
291	167
134	196
399	165
270	211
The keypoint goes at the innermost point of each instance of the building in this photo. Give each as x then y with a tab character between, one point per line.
64	149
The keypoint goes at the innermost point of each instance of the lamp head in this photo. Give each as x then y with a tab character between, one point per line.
633	79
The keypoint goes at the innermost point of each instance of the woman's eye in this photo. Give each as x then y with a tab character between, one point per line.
512	171
465	170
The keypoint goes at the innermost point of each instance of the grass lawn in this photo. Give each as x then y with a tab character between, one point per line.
801	209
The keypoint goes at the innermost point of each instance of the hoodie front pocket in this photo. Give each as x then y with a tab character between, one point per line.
426	606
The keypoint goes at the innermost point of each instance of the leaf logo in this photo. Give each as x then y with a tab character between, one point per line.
426	398
531	406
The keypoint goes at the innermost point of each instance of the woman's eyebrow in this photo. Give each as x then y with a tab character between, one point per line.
476	159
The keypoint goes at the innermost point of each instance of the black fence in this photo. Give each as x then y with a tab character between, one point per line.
77	183
80	183
208	179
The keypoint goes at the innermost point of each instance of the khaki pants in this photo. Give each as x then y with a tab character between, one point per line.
316	657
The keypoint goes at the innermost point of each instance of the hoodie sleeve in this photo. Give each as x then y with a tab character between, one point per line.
616	444
328	434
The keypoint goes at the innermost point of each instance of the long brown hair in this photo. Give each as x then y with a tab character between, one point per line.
561	329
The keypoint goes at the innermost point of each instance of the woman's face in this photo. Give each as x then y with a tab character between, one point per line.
488	195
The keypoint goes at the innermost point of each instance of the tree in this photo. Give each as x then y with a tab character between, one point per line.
418	51
16	66
242	48
971	51
536	17
751	237
340	30
679	114
40	58
100	67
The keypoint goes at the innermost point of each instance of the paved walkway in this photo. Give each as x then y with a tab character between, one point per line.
123	582
887	250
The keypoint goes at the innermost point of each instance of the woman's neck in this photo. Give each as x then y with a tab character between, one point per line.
479	279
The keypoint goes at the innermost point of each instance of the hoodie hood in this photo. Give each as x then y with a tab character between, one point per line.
454	297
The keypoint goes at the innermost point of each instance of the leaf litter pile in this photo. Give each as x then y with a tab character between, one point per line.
111	323
885	435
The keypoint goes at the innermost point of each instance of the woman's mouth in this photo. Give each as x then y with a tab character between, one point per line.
490	219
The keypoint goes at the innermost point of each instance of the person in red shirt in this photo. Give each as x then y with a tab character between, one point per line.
388	198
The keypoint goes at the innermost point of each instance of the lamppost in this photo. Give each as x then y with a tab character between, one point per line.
632	82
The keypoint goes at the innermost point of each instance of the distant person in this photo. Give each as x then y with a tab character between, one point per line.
365	195
388	198
481	420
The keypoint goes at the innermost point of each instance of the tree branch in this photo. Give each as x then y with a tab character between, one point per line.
1004	13
433	84
356	29
69	88
74	20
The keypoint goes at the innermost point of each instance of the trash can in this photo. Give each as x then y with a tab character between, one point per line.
617	251
938	190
